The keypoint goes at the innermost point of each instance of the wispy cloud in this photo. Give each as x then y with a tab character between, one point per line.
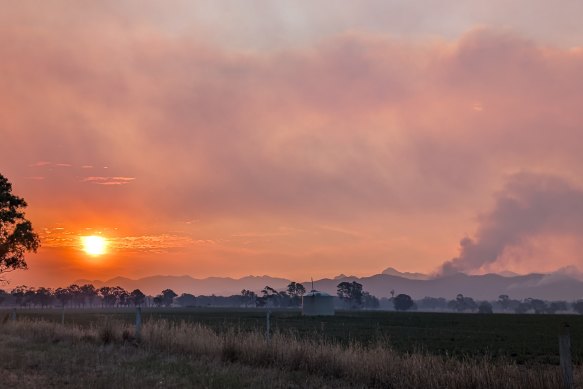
60	237
40	164
50	164
109	180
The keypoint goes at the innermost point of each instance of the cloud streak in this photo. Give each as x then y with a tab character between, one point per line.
109	180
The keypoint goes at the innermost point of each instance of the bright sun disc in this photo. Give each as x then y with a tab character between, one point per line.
94	245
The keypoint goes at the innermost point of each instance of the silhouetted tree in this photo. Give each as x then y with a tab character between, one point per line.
350	293
462	304
29	295
504	301
18	294
260	301
248	297
88	294
137	297
277	299
369	301
43	297
557	306
537	305
63	295
168	296
578	307
296	291
186	300
522	307
108	295
122	296
485	307
16	234
76	294
403	302
3	295
432	303
158	300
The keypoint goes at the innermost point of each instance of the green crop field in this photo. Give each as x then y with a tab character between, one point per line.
524	339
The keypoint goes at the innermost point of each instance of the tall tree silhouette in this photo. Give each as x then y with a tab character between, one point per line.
16	234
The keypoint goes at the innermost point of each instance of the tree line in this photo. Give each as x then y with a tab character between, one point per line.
504	304
83	296
350	295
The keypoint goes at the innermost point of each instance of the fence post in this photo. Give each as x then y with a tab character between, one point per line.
267	326
565	355
63	315
138	323
13	316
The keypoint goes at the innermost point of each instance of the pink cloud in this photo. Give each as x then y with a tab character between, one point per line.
359	132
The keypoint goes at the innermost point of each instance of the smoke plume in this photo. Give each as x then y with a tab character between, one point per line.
529	205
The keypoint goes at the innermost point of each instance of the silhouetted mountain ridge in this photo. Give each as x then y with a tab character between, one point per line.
390	271
553	286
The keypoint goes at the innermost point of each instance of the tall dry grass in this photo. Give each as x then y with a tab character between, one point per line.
373	366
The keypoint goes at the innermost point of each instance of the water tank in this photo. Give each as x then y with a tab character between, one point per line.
316	303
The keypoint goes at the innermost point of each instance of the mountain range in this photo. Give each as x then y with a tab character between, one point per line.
553	286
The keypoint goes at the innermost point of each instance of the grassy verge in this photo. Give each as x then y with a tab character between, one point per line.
181	354
58	362
525	339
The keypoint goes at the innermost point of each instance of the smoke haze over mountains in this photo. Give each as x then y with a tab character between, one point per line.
560	285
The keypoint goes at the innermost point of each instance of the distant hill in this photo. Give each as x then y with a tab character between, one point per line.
488	286
412	276
555	286
221	286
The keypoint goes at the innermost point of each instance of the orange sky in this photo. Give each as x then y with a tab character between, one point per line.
292	139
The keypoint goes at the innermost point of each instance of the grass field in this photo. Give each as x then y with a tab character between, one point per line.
175	354
523	339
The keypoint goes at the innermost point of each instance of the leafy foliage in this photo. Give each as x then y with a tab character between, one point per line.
16	234
403	302
296	290
485	307
351	293
168	297
463	303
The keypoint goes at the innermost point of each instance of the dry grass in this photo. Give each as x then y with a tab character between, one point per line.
353	365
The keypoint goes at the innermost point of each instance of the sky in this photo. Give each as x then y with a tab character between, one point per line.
294	138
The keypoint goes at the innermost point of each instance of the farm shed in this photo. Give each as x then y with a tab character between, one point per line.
316	303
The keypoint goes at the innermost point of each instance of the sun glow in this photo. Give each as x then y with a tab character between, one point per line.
94	245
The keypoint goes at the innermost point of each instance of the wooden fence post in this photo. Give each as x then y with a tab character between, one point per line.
13	316
267	326
63	315
138	323
565	355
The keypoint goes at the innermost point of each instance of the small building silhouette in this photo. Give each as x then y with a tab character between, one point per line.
316	303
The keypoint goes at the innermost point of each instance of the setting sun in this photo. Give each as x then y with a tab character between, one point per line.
94	245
